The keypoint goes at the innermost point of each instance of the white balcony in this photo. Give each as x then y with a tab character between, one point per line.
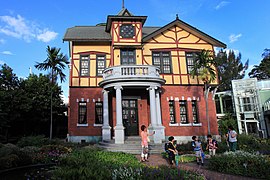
131	74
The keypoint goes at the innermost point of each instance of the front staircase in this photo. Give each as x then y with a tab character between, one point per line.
132	145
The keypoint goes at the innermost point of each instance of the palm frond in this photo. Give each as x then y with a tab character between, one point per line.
203	66
56	62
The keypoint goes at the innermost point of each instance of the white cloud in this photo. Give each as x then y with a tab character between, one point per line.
16	27
21	28
47	36
221	4
233	38
2	41
7	53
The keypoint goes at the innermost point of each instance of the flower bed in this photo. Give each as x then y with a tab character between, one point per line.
92	163
241	163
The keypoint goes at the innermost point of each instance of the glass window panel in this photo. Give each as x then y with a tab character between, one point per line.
128	56
101	60
84	65
163	61
82	113
183	111
172	112
127	31
195	111
99	112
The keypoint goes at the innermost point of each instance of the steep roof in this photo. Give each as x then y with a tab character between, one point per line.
96	33
187	28
101	32
124	12
87	33
123	15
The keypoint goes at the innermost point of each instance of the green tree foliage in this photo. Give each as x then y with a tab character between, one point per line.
36	101
225	122
9	99
262	71
25	104
229	68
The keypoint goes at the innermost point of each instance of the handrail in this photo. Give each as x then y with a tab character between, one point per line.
125	71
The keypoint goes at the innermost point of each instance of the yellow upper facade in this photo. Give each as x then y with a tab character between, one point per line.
125	41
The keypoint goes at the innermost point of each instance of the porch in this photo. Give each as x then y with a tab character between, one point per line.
119	80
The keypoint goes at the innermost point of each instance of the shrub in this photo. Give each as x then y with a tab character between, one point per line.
12	156
8	149
9	161
50	153
92	163
37	141
241	163
184	148
252	143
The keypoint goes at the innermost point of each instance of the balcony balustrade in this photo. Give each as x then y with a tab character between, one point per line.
124	73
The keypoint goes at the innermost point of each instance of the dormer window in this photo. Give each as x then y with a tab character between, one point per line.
127	31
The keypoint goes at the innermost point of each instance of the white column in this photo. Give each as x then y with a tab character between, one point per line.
159	122
153	109
160	129
158	136
106	129
119	128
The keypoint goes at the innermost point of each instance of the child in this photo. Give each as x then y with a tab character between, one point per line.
172	149
197	145
211	145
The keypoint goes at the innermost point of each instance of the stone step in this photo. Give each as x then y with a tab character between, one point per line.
131	145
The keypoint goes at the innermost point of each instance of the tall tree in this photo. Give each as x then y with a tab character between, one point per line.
262	71
56	62
36	100
9	102
204	69
229	68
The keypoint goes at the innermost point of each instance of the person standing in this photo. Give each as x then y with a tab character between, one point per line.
172	150
144	143
232	138
197	147
211	145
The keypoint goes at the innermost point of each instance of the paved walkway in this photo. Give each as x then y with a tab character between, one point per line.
158	160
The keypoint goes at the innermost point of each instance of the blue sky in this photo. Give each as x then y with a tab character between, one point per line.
27	27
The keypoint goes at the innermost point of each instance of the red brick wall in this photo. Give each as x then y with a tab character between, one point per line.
88	94
188	92
168	92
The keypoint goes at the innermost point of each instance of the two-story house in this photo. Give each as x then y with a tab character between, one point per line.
124	75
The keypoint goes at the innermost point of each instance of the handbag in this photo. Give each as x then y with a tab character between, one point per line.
148	139
145	150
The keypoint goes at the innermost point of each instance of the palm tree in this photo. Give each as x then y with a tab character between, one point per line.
204	69
56	62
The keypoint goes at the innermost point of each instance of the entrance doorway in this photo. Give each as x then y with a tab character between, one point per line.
130	117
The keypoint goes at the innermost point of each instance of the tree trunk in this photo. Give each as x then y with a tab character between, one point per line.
206	89
51	107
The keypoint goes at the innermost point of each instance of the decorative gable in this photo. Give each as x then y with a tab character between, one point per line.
180	31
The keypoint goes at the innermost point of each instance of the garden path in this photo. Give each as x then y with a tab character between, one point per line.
158	160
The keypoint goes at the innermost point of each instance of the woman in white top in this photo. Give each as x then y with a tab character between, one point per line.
232	138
